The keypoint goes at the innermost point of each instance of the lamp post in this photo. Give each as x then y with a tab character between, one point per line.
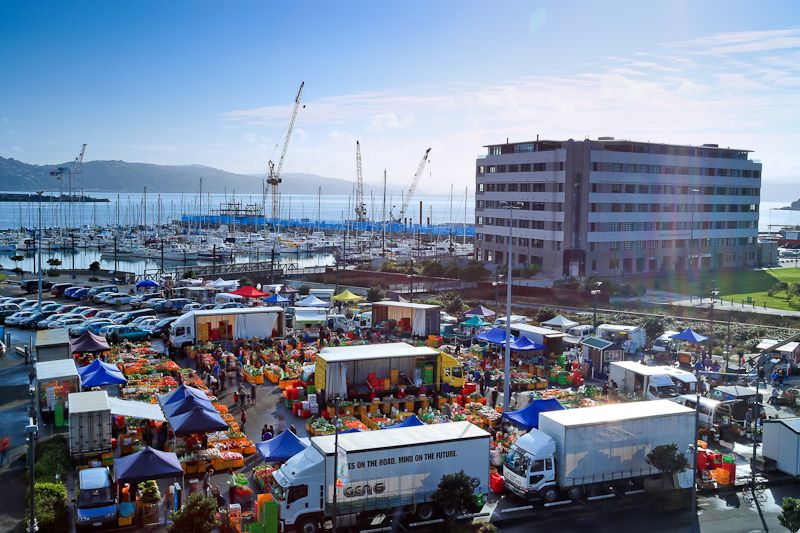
496	285
39	253
595	292
336	425
511	206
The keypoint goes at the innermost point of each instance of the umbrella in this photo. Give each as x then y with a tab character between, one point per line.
146	283
493	336
147	464
480	311
690	335
198	420
411	421
249	291
522	344
474	321
311	301
277	299
282	447
347	296
528	417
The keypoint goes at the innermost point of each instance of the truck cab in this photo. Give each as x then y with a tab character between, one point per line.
340	323
95	504
529	467
298	490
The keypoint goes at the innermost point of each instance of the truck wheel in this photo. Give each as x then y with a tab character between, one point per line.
425	511
575	493
549	495
309	525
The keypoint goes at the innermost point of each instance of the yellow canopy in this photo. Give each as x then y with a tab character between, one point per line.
347	296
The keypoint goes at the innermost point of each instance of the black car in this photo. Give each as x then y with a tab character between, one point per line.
32	285
162	326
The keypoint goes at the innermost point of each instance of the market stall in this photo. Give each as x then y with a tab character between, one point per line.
600	352
559	322
142	469
410	318
99	374
282	447
480	312
311	301
88	342
527	418
55	380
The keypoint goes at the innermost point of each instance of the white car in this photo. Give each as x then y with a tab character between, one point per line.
118	299
67	323
154	302
14	319
139	319
28	304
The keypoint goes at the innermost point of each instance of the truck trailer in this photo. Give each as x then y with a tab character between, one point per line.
420	320
226	325
595	450
388	469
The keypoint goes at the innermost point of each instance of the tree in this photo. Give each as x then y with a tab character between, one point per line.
375	294
452	271
54	264
17	270
667	459
304	290
790	514
245	281
433	269
94	267
198	515
454	493
452	303
654	326
474	271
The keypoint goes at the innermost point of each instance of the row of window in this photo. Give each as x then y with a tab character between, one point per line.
521	187
676	243
520	148
516	241
525	206
673	225
672	208
636	168
666	149
522	167
519	223
673	189
629	266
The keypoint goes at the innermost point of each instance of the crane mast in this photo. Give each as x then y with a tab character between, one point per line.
274	176
361	207
413	187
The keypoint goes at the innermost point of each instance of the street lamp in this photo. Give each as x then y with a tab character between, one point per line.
496	285
39	253
595	292
511	206
337	424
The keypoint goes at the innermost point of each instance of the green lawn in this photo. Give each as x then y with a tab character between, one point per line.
735	286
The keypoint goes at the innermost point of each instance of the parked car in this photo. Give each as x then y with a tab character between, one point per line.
139	301
162	326
68	292
66	308
229	305
27	305
137	320
118	300
147	323
45	323
6	310
66	323
32	285
89	325
100	296
191	307
119	333
15	300
85	311
153	303
97	326
102	288
104	313
31	321
95	503
59	288
128	316
50	307
79	294
118	316
175	305
15	319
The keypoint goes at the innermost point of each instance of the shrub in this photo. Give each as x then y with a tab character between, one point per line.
790	514
50	499
667	459
454	492
433	269
198	515
52	457
304	290
452	271
474	271
94	267
375	294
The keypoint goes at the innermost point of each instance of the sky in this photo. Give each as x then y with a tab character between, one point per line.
212	83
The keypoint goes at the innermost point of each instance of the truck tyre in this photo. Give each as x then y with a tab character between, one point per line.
425	511
549	495
309	525
575	493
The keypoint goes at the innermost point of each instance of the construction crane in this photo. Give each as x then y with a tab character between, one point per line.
79	159
361	207
417	175
274	176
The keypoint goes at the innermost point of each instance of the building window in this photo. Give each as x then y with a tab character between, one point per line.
653	245
495	150
616	187
513	168
524	147
525	167
628	245
614	245
613	264
481	187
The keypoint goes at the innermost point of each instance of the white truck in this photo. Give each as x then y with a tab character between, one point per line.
596	451
226	325
631	338
388	469
646	382
89	423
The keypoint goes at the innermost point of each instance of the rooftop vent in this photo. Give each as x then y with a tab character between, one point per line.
711	145
605	138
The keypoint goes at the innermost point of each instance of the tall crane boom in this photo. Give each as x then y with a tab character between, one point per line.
274	176
413	187
361	207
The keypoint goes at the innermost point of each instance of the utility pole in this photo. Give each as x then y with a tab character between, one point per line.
336	423
39	253
72	252
511	206
595	292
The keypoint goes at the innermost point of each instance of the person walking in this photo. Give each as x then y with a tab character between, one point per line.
5	445
773	398
252	394
207	481
495	393
243	420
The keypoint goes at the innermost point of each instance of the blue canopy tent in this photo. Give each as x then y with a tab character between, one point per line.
522	344
102	376
180	394
690	335
146	284
277	298
188	403
281	447
528	417
147	464
493	336
198	420
409	422
96	365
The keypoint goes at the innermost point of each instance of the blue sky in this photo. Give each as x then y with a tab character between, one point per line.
211	82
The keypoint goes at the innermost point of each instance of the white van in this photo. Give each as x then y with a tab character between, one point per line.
664	343
712	413
581	331
227	298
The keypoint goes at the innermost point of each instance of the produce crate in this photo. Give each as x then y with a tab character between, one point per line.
219	464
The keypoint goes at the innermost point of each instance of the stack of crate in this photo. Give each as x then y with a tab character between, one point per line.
266	516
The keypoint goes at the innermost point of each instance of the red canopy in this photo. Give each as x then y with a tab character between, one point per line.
249	291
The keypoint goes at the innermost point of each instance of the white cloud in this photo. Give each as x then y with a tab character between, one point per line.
735	89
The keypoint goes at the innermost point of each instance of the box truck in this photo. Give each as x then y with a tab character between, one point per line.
420	320
52	344
595	450
387	469
646	382
631	338
89	422
226	325
366	368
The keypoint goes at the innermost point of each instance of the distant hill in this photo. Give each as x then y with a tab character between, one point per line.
121	176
